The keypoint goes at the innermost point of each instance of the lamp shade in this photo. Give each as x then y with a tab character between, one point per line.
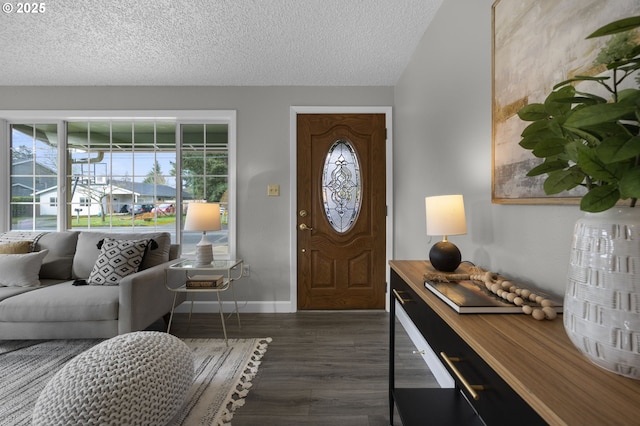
445	215
203	217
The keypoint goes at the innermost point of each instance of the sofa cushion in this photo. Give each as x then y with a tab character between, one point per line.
21	270
62	246
87	250
17	247
6	292
117	259
62	302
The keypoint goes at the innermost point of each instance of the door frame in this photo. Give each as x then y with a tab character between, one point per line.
293	143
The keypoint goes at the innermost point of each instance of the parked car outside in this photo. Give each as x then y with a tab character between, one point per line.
165	209
137	209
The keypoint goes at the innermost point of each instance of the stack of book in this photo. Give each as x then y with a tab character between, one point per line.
205	281
471	297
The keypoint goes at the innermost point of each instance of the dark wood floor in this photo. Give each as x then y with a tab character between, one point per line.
322	368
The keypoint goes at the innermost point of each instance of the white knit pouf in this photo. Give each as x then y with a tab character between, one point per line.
139	378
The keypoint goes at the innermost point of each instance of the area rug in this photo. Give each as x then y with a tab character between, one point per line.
222	376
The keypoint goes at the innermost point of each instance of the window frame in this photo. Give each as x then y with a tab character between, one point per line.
59	117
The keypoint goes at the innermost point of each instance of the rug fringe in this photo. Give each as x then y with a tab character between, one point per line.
241	388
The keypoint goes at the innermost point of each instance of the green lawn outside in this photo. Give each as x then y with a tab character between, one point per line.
116	220
147	219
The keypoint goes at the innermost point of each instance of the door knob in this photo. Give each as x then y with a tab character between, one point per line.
304	227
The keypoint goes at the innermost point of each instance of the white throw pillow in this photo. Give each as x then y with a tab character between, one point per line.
117	259
21	270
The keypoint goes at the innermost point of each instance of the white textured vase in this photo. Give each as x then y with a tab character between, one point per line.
602	300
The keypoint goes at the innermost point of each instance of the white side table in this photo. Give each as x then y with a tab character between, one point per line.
231	269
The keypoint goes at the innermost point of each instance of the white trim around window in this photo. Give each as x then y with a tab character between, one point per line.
59	116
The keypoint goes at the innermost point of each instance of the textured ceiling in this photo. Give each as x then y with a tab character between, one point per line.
214	42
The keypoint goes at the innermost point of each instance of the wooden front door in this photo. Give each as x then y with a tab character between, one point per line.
341	211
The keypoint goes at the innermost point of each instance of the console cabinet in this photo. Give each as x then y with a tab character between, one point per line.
506	368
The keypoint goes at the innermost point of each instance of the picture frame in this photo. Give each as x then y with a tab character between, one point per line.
535	45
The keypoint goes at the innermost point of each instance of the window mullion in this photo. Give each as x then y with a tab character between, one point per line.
5	152
179	203
63	168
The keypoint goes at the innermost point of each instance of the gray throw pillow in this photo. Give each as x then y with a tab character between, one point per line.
87	252
62	247
117	259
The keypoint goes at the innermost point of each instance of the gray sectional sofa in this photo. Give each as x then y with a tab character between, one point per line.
58	309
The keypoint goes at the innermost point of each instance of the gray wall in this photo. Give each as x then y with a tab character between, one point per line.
262	149
443	146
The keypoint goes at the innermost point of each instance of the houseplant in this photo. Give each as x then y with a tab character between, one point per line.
592	139
586	139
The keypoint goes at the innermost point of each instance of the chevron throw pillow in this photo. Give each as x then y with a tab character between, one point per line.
117	259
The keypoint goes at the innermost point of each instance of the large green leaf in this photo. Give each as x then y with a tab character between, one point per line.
630	96
595	98
556	126
532	112
547	167
529	143
593	115
630	184
588	100
591	139
593	166
600	198
571	149
618	148
562	180
556	103
619	26
607	130
549	147
537	128
580	78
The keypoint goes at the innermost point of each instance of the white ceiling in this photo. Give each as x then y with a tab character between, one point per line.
214	42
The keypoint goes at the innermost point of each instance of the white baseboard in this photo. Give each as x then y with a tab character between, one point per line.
205	306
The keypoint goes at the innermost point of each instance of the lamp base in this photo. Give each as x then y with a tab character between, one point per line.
445	256
204	252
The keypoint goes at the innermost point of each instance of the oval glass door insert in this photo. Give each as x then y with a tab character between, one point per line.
341	185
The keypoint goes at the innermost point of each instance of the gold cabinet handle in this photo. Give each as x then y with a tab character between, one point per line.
470	388
400	299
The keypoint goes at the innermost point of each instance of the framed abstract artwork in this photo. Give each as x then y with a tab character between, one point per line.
535	45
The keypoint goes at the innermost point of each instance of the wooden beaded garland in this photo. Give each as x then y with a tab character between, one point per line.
504	289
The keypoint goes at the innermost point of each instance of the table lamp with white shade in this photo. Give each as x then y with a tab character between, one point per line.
445	216
203	217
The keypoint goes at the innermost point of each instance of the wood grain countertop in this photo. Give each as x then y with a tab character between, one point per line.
537	359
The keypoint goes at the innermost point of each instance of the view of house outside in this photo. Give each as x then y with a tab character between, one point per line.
121	176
